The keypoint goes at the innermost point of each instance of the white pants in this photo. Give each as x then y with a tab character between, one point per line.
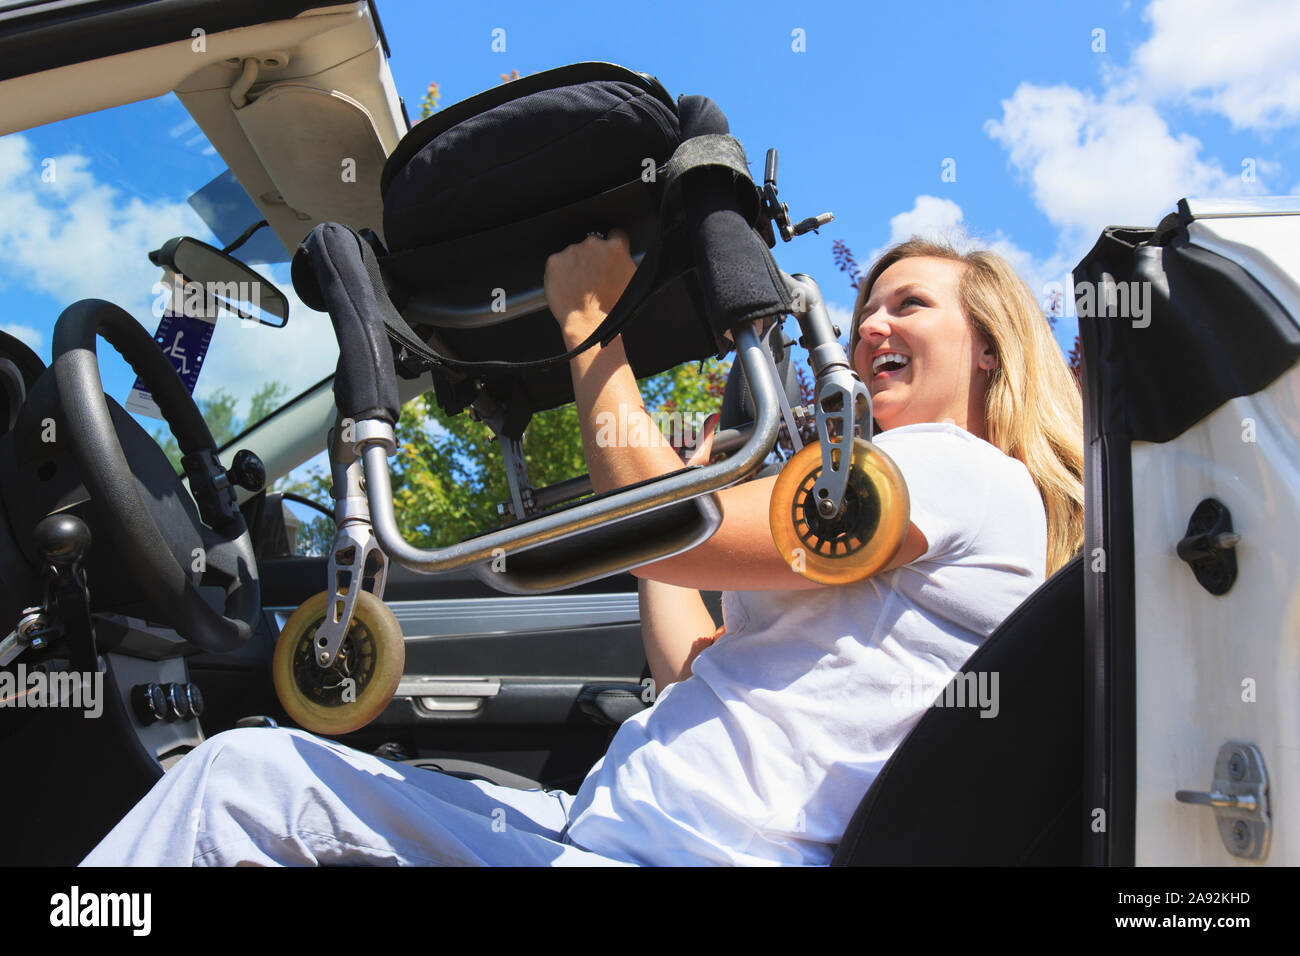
271	796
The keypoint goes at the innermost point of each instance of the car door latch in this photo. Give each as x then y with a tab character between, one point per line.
1239	798
1210	546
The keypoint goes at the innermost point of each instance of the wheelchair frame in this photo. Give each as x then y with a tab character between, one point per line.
367	523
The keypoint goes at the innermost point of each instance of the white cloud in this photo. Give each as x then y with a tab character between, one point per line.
930	217
25	334
77	237
1240	59
1096	161
943	220
1093	159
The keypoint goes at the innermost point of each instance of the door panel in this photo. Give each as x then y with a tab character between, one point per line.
1197	397
1211	669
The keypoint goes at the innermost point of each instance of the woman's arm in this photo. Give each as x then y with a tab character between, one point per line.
675	627
582	284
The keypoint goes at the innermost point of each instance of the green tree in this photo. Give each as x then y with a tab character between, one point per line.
264	401
449	475
429	105
219	410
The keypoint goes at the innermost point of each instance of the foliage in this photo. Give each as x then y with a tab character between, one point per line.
845	262
219	411
806	394
450	474
429	105
1076	362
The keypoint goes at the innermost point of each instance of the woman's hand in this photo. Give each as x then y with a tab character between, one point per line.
701	451
585	280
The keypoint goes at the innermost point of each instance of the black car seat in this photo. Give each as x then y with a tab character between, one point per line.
971	791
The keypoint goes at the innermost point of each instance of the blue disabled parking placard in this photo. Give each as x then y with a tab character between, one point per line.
184	340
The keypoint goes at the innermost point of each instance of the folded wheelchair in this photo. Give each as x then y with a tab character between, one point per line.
475	199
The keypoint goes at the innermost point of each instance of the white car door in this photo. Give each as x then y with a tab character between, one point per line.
1193	422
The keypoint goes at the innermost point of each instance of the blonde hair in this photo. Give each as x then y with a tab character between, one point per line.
1033	410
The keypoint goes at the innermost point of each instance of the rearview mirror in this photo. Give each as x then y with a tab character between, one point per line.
224	279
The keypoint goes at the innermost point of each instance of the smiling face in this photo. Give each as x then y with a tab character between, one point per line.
916	350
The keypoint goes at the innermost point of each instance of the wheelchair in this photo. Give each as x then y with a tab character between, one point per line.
475	200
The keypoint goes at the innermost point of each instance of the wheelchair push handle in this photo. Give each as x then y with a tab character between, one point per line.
348	285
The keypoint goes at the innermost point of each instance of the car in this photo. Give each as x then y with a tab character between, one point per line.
1143	714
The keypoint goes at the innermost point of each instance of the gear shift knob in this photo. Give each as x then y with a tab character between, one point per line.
63	539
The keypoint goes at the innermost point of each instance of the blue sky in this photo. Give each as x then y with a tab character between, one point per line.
1053	130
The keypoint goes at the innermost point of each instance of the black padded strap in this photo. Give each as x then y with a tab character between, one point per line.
738	276
718	152
352	291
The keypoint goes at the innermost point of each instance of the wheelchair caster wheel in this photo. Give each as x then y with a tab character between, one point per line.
355	689
857	542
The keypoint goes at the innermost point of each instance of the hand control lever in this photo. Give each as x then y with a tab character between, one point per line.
63	541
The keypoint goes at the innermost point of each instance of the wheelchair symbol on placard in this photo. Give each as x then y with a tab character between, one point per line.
177	354
184	340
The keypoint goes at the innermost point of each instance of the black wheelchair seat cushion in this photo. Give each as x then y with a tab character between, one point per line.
478	196
526	156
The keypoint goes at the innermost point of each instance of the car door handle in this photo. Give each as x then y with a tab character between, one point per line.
612	703
449	694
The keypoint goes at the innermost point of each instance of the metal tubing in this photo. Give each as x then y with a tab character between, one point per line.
842	398
474	316
724	442
659	493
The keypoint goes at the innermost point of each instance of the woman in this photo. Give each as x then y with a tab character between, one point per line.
775	731
762	742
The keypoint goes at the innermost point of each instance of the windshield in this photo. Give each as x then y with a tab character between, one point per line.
84	201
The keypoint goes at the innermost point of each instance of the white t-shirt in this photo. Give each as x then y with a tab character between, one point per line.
765	752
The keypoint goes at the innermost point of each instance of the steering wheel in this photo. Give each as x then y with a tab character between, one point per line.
132	519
